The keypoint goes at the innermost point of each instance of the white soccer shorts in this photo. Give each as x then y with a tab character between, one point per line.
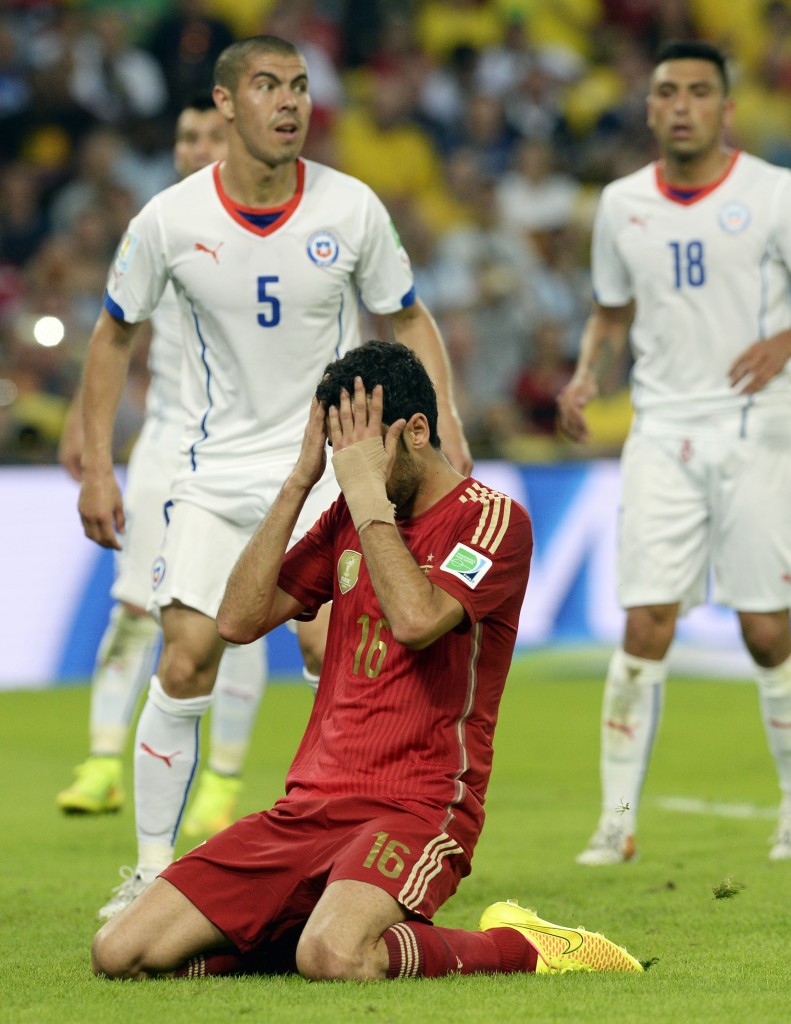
699	501
150	473
200	549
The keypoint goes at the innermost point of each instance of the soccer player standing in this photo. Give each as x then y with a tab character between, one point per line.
129	646
267	254
693	255
426	571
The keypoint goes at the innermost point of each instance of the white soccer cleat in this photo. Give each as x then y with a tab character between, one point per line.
608	845
781	850
134	882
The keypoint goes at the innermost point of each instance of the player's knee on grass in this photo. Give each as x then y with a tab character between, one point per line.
111	956
320	958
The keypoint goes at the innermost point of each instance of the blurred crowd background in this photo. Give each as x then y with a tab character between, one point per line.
488	128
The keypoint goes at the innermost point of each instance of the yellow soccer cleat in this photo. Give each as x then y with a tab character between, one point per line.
97	788
559	948
214	806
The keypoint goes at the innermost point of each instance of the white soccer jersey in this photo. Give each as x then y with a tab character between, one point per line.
163	398
263	310
710	276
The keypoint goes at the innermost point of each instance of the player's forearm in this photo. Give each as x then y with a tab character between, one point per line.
104	377
253	604
417	611
605	333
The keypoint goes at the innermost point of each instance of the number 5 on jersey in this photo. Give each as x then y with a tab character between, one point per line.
270	316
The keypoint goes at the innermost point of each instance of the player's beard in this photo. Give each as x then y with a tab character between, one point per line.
405	478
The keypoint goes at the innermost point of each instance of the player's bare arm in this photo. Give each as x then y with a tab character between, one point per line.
418	612
416	328
100	504
606	329
71	440
253	604
759	363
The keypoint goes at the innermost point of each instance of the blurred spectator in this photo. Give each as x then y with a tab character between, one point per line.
186	41
564	30
444	25
442	281
104	163
105	75
649	23
452	204
561	283
379	142
547	370
488	355
445	91
500	66
534	106
484	131
393	49
534	195
23	222
774	61
16	92
607	109
363	30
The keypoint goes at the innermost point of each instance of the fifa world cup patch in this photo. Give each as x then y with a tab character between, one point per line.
466	564
126	251
348	570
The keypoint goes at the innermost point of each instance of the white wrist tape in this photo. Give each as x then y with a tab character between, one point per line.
360	471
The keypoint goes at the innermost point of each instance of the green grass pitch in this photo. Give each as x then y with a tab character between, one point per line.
716	959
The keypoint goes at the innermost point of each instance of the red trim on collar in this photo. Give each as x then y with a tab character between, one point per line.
701	193
286	210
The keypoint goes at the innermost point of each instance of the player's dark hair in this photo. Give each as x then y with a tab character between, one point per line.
233	59
692	49
406	386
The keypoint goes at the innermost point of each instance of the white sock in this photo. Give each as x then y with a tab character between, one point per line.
632	708
774	691
166	757
124	664
241	682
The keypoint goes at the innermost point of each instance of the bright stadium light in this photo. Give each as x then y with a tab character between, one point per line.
49	331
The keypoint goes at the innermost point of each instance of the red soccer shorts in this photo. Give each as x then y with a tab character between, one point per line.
268	871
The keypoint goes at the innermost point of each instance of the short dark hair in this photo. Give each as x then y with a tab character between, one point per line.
232	61
406	385
692	49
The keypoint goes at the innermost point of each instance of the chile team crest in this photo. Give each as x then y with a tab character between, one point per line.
323	248
734	218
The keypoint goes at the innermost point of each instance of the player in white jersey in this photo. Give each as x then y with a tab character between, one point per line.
130	643
693	253
267	254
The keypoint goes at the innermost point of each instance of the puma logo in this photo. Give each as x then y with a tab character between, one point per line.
627	730
200	247
167	758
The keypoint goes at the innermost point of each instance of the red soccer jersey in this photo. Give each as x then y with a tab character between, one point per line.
413	726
